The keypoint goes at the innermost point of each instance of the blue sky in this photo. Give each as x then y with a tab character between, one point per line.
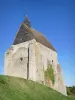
54	18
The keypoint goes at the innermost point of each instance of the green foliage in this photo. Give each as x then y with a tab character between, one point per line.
68	91
71	90
13	88
49	74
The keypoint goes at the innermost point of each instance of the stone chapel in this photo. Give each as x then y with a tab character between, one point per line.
32	56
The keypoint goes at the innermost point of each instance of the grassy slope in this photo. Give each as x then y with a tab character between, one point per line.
12	88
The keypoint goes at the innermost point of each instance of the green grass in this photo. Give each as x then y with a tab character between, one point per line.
12	88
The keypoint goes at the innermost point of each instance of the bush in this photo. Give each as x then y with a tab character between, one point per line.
71	90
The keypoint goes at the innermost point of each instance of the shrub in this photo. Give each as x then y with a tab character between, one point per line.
71	90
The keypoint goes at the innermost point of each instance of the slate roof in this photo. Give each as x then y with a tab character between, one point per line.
27	33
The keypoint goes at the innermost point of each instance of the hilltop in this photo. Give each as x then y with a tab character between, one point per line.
13	88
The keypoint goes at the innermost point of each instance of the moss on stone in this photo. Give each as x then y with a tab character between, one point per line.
49	73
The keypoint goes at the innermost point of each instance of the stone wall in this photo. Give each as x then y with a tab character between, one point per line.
43	55
16	59
30	59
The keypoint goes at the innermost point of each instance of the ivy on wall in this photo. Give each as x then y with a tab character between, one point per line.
49	73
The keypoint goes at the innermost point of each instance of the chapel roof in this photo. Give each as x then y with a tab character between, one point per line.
27	33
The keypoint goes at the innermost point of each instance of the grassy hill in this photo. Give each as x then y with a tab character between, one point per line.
12	88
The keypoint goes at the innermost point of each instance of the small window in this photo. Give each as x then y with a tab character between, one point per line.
21	58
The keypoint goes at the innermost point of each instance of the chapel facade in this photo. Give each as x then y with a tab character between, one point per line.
32	56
